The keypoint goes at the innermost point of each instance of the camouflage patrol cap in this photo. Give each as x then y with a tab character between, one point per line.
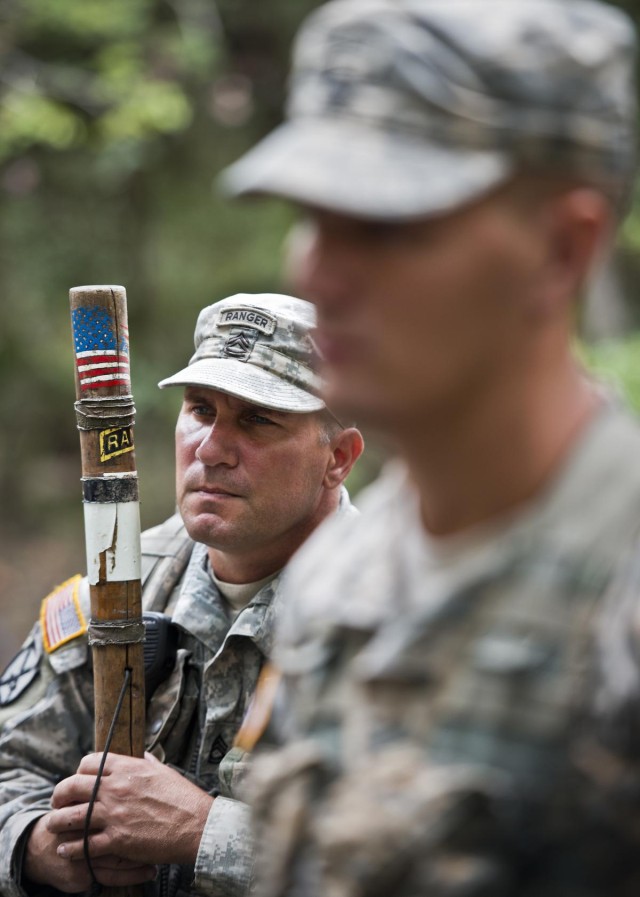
257	348
407	108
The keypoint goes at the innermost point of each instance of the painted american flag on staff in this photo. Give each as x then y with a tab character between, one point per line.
102	356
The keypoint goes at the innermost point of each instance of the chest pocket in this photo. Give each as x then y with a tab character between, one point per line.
501	670
171	711
508	706
513	699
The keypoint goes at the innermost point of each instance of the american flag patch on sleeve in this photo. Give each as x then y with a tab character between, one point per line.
61	617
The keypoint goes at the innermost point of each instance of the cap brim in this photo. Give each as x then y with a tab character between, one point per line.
247	382
354	169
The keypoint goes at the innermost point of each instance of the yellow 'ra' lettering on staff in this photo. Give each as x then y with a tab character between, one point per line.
116	441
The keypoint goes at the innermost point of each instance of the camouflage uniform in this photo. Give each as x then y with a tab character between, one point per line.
192	718
472	731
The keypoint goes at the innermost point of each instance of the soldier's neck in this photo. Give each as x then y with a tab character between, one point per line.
477	467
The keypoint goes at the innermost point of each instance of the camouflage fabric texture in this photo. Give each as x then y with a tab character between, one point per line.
470	732
405	108
192	719
259	348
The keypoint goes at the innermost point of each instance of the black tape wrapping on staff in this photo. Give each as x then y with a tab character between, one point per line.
105	411
116	632
109	490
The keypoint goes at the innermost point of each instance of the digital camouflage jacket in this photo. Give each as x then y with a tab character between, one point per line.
473	730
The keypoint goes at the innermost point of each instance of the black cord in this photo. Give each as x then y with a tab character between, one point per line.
96	887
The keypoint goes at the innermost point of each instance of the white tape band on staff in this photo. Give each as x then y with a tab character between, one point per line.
113	528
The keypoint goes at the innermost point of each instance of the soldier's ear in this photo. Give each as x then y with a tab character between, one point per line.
346	448
578	225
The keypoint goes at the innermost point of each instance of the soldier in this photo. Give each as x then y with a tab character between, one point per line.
260	463
463	677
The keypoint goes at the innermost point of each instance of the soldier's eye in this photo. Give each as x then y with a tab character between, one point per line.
260	419
202	410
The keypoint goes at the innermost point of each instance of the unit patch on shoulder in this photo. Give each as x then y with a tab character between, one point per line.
61	617
20	673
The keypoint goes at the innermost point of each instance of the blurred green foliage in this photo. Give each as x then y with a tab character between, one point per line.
617	364
84	73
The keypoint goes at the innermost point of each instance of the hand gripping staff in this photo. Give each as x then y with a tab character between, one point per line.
105	416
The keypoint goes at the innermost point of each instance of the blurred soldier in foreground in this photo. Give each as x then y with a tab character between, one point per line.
260	463
463	675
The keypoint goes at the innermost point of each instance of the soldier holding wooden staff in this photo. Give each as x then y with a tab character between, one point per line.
260	463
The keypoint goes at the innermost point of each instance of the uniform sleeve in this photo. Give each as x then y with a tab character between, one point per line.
46	729
224	865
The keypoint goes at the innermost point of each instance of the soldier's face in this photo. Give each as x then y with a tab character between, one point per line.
415	318
249	480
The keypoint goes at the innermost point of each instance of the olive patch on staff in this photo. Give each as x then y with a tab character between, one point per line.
114	442
61	617
20	673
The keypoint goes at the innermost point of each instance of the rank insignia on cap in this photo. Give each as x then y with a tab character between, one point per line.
61	617
20	673
240	345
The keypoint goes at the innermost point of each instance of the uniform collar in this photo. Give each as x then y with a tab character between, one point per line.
201	610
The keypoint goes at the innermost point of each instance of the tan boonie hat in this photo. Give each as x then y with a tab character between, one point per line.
402	109
257	348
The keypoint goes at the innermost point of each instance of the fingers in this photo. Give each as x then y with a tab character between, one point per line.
99	844
42	864
76	789
68	825
90	764
69	820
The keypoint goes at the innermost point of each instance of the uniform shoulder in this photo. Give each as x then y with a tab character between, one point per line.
337	579
166	549
56	644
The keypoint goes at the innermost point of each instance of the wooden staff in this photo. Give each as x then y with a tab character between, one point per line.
105	417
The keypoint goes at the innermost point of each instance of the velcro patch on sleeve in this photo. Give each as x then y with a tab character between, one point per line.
61	617
21	672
